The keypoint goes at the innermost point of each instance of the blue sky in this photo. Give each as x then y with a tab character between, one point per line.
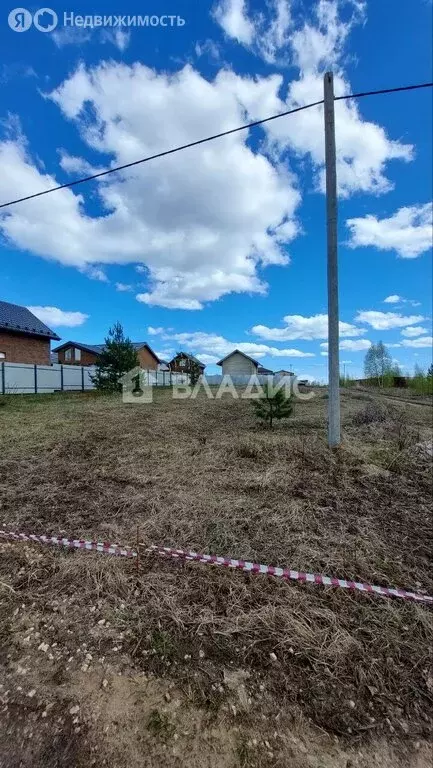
222	245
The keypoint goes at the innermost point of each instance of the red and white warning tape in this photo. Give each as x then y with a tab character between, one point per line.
243	565
97	546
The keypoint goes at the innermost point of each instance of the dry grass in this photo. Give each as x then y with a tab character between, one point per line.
202	475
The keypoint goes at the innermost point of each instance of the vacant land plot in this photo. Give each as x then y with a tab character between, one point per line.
185	664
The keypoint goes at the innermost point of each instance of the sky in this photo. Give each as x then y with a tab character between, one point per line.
222	245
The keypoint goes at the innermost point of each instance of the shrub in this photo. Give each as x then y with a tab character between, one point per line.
272	405
371	414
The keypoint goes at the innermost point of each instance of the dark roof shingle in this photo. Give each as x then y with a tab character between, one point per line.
20	319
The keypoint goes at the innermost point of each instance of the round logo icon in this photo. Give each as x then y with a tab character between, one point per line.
45	19
20	19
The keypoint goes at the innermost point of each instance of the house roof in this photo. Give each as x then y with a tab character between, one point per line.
21	320
264	371
238	352
96	349
190	357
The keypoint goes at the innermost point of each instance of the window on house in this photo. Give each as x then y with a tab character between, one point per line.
182	363
68	354
2	356
77	355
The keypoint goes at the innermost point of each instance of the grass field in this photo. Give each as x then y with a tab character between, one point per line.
184	664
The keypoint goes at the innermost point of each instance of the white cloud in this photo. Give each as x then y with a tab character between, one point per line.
209	49
118	37
70	36
319	44
164	354
199	235
208	359
308	328
422	341
313	45
414	330
383	321
213	344
94	273
350	345
76	165
272	37
155	331
53	316
395	299
408	232
233	18
123	287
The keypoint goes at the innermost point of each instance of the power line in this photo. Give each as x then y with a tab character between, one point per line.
208	138
162	154
384	90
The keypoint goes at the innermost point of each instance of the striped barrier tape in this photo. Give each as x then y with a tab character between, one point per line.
97	546
243	565
290	575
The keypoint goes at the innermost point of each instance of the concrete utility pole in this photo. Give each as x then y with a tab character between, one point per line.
331	215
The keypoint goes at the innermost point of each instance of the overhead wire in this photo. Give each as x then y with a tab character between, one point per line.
220	135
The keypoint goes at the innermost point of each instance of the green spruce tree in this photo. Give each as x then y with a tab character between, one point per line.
117	357
272	405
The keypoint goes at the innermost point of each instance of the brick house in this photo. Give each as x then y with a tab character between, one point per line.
23	337
182	362
77	353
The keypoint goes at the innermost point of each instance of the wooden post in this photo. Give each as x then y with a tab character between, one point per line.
331	215
3	379
36	378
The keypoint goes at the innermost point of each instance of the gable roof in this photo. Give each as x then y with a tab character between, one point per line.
238	352
13	317
96	349
190	357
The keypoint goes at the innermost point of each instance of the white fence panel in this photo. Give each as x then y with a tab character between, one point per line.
17	378
46	379
24	378
72	377
238	380
89	371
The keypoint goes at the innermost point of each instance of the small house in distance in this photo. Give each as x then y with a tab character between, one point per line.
237	363
77	353
23	337
182	363
282	373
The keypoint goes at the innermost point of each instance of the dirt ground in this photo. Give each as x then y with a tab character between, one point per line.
177	664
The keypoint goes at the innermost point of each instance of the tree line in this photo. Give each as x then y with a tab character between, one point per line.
380	370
